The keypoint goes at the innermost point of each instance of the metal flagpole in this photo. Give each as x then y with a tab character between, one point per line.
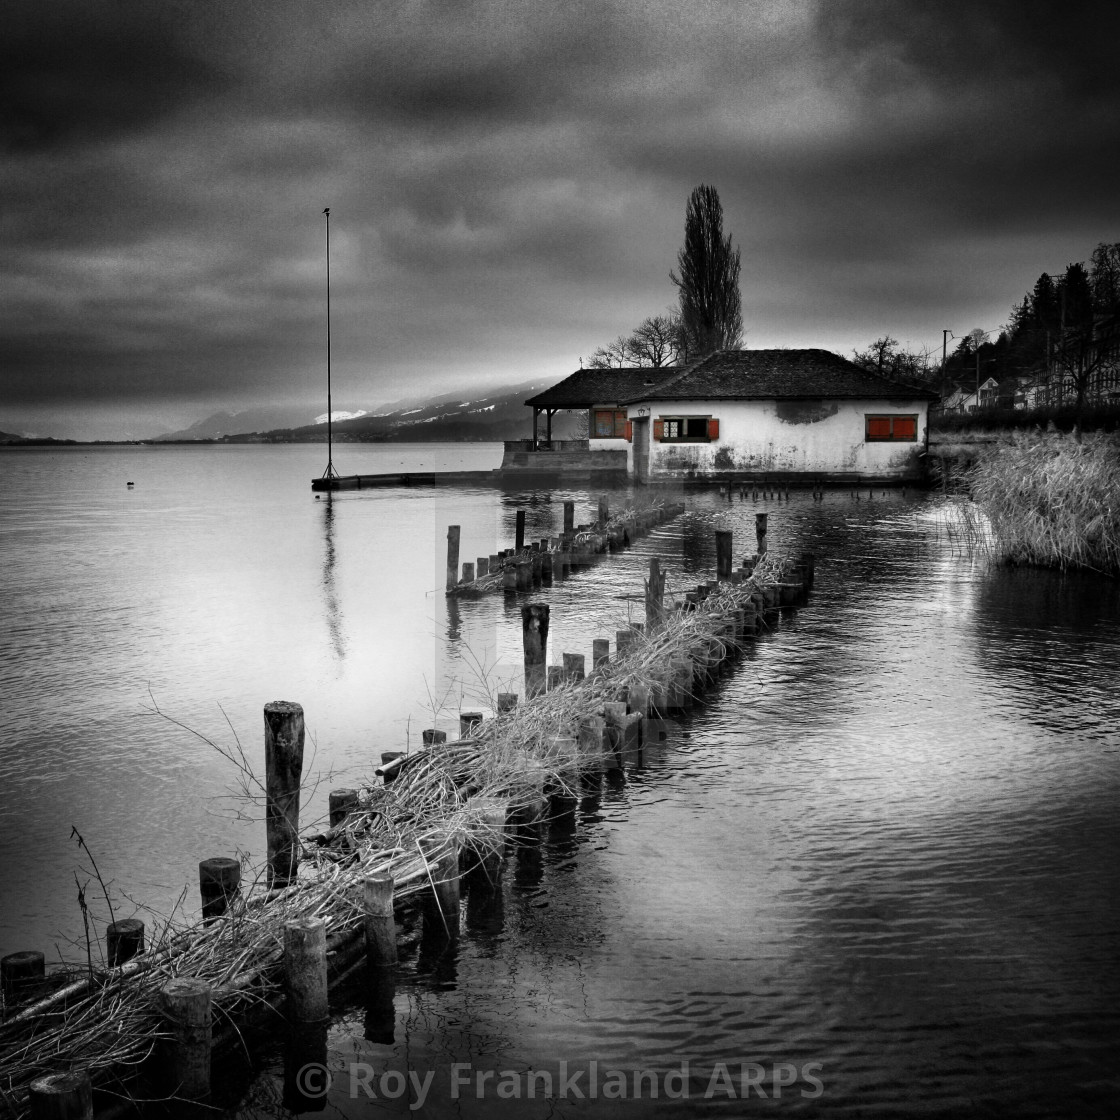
330	472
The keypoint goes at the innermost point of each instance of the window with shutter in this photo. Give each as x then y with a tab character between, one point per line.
684	429
890	428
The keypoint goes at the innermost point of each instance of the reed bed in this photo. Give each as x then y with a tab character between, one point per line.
107	1021
1049	499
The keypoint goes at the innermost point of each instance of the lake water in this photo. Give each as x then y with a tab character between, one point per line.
875	873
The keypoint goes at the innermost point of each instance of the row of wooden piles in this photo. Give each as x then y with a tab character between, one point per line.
530	564
408	838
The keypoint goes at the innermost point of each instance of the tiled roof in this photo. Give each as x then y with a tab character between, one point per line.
587	387
769	374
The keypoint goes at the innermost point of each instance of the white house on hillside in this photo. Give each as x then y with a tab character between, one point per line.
751	413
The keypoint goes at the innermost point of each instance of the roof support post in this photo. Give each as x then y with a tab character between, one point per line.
536	413
548	423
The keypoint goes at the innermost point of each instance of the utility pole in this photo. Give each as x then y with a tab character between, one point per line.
944	351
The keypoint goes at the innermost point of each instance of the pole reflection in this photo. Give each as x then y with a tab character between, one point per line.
329	582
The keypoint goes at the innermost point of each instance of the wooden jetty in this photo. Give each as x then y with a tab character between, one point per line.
146	1018
526	565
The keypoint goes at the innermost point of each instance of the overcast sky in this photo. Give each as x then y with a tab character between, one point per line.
507	184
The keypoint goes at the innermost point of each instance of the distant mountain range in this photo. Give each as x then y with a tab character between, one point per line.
500	414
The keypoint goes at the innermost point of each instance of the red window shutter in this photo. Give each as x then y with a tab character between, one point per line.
629	431
878	427
905	427
713	429
659	429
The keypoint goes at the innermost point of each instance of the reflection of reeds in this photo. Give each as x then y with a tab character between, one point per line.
109	1022
1049	499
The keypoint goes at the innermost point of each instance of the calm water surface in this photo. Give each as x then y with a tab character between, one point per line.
880	862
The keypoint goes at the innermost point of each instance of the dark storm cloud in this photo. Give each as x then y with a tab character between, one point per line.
79	73
507	181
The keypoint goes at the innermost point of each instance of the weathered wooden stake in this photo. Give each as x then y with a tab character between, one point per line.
469	722
380	924
600	652
452	556
574	667
20	971
340	803
185	1003
219	880
507	701
519	542
655	595
432	737
388	769
123	940
482	566
723	554
305	969
534	641
283	760
494	814
468	572
604	510
760	532
569	517
443	866
61	1096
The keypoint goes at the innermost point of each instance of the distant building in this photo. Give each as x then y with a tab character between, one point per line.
749	413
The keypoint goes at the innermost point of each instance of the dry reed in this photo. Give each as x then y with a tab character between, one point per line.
107	1022
1049	499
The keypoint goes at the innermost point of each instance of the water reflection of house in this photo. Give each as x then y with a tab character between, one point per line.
742	413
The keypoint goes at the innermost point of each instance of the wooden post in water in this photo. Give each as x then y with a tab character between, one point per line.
380	924
534	641
283	762
442	856
340	803
723	554
305	969
482	566
519	542
507	701
219	880
655	595
452	556
574	667
469	723
468	572
600	652
185	1004
20	971
604	510
123	940
61	1096
760	532
569	517
432	737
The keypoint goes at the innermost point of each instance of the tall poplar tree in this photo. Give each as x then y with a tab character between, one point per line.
711	308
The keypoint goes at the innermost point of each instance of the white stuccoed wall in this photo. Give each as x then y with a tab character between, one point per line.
802	436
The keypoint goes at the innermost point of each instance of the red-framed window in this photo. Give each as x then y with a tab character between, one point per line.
608	423
884	428
686	429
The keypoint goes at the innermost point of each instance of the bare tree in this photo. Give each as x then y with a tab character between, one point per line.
711	308
656	341
612	356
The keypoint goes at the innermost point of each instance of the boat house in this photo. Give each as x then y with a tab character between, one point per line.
743	414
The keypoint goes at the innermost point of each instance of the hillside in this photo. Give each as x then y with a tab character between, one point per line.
498	415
